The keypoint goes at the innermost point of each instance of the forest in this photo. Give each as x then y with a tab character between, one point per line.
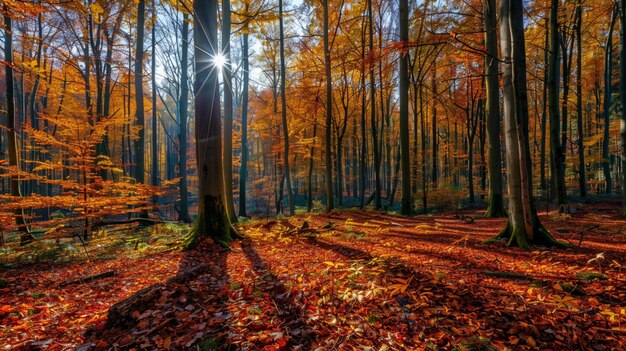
313	175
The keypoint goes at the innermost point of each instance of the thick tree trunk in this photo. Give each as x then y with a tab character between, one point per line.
212	218
183	214
405	158
228	112
523	227
494	157
435	143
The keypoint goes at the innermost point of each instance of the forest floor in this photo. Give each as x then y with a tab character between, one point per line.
350	281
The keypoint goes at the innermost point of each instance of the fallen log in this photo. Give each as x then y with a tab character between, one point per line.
90	278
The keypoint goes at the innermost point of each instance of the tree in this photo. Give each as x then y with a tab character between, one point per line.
25	237
329	114
405	164
212	218
622	90
557	153
582	179
523	227
496	200
154	181
140	164
243	170
283	99
183	213
376	149
228	111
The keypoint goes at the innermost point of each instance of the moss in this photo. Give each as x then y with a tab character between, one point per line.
211	343
590	276
517	237
496	207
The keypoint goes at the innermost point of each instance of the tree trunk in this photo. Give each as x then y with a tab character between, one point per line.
544	114
622	88
434	141
155	148
329	115
25	237
283	97
376	149
243	170
212	218
582	180
556	149
139	144
228	112
496	200
309	205
183	214
608	75
523	227
405	158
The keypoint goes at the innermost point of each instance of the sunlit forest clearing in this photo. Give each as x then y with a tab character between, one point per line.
313	175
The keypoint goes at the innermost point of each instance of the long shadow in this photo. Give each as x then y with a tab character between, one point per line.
292	317
187	309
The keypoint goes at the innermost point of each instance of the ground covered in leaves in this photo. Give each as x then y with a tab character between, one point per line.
344	280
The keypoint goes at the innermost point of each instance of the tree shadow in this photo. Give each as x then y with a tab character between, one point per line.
292	317
187	309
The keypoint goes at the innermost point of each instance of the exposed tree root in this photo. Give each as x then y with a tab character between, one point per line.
517	237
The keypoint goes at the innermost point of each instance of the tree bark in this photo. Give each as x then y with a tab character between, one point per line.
608	75
283	97
523	227
405	158
228	112
25	237
212	218
556	149
376	149
139	144
155	149
582	180
183	101
243	170
622	87
494	157
329	115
